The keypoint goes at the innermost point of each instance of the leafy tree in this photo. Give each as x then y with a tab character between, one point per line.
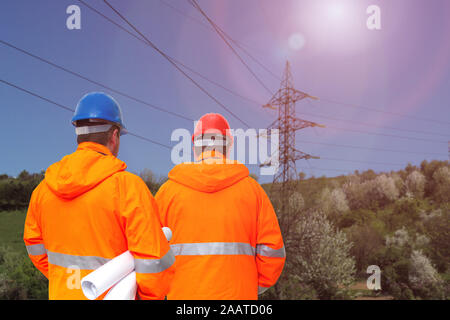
153	181
415	184
333	202
441	178
302	176
437	228
428	169
321	255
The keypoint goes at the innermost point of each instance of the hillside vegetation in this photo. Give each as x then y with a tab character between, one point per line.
333	228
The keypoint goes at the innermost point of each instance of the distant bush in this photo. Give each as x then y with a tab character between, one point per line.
15	193
152	180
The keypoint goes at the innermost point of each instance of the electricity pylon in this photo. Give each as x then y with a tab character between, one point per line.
287	123
284	180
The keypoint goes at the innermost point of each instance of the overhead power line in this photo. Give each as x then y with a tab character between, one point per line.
95	82
64	107
371	124
215	83
371	148
385	134
363	161
37	96
325	169
178	114
173	63
384	111
364	107
238	43
222	35
227	89
72	110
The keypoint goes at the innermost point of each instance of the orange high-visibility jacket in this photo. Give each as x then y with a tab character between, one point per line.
87	211
226	236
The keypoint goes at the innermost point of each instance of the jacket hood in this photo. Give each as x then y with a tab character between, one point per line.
82	170
209	175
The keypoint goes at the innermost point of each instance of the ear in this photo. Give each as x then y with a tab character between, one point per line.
115	137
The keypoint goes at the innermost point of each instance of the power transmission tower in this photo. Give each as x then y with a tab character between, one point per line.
288	123
284	184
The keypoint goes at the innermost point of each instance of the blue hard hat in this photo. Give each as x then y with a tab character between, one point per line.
100	106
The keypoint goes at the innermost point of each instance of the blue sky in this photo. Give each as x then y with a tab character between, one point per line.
404	68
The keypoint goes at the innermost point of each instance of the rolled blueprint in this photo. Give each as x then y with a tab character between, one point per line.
167	232
125	289
103	278
117	272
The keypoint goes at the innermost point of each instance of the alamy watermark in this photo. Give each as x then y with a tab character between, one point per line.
374	280
73	21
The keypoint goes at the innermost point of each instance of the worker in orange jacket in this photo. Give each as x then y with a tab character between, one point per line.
226	236
88	210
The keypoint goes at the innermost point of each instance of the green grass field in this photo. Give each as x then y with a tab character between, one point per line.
11	229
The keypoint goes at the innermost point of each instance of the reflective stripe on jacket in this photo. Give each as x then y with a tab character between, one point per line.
226	236
87	211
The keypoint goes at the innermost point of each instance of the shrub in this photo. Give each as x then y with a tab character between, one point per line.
423	277
400	238
366	242
19	279
437	228
322	256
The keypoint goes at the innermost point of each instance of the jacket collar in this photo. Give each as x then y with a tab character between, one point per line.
94	147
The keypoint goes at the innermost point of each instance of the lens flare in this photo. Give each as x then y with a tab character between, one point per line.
296	41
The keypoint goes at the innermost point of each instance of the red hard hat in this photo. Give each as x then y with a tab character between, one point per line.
212	123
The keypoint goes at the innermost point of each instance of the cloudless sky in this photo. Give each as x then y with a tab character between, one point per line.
402	68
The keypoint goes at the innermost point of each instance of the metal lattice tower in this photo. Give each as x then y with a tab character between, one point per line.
284	181
287	123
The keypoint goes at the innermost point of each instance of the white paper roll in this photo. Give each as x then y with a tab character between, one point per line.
167	233
103	278
125	289
118	273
